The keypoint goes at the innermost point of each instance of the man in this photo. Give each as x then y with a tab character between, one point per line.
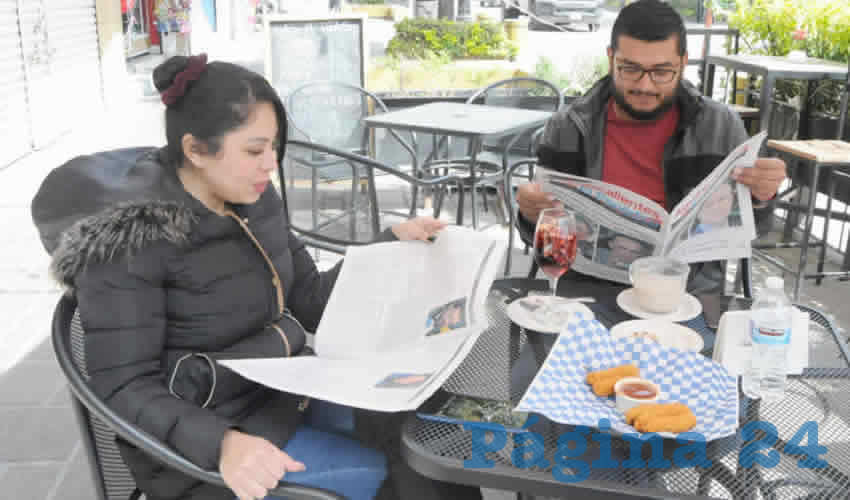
644	128
716	211
619	251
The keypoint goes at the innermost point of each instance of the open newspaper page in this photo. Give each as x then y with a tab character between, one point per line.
715	220
400	319
614	225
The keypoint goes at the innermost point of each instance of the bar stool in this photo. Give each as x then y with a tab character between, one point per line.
826	155
817	154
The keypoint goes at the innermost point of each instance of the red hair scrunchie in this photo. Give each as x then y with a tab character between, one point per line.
197	65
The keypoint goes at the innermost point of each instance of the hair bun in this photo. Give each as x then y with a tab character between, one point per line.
166	72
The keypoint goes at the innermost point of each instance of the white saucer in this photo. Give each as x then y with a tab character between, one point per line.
521	312
689	308
664	332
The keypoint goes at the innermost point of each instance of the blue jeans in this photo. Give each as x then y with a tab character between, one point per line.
333	461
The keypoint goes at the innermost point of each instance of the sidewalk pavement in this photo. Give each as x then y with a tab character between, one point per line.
41	456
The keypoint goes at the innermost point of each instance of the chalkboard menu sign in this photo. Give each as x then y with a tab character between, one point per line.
302	50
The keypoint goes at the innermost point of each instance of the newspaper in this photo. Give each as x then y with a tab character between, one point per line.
615	226
400	319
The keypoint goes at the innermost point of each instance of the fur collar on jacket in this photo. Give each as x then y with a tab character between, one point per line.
118	231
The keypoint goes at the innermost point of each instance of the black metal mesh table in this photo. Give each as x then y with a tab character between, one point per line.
498	368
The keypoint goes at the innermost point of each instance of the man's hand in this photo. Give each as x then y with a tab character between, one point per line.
251	466
763	178
420	228
532	200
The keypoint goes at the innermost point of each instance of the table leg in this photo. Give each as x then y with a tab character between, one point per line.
845	266
434	155
314	197
355	190
735	76
766	101
701	72
804	244
708	71
830	181
803	131
373	201
707	84
792	214
508	257
476	148
414	194
710	75
459	220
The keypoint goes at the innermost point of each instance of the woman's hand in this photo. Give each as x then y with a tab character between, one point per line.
251	466
420	228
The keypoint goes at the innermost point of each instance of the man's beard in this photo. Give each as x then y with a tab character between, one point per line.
637	114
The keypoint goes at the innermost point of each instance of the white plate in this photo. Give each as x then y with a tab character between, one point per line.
665	333
522	312
690	308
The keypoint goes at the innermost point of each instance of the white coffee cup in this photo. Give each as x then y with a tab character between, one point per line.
659	283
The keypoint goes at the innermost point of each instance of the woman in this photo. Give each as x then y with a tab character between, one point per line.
196	264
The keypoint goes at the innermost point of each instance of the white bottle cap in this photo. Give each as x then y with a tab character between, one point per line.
774	283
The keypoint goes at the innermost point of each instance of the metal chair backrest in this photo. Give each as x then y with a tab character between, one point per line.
110	475
100	424
336	215
522	93
332	113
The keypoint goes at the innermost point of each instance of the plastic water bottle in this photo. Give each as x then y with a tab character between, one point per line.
770	331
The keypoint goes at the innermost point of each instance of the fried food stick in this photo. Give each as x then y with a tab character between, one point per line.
676	423
603	381
655	409
619	372
605	386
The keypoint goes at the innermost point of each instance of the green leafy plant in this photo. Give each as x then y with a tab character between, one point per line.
578	79
431	73
415	38
767	26
827	27
821	28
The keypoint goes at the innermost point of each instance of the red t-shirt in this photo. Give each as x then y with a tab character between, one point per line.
634	152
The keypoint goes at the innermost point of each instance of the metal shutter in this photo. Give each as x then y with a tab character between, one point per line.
60	46
14	115
75	56
42	102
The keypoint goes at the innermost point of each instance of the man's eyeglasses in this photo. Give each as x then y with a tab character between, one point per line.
635	73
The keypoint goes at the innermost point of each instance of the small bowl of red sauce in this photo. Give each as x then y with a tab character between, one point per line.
633	391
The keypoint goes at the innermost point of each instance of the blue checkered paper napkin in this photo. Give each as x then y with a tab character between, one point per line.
559	390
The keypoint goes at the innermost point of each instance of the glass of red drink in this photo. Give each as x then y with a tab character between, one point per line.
555	244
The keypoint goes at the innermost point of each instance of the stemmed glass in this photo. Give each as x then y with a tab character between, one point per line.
554	251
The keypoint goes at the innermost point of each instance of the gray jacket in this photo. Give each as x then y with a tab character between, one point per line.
573	142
